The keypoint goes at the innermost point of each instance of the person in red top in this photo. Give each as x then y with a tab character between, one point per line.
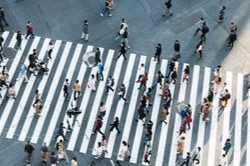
188	120
98	126
29	29
143	81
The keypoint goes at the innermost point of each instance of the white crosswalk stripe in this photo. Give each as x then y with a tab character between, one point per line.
17	116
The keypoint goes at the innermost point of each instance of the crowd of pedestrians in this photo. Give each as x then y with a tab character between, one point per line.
36	66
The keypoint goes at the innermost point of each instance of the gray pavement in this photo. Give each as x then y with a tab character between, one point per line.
63	20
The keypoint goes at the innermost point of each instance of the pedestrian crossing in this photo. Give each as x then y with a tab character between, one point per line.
17	119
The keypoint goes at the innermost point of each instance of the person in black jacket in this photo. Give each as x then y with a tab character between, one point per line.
158	53
187	160
2	15
232	38
29	149
177	48
66	89
115	125
173	76
204	31
19	39
122	51
168	8
97	56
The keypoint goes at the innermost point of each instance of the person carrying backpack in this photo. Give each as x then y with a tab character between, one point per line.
204	31
232	38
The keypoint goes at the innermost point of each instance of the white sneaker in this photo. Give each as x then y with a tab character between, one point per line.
101	14
110	15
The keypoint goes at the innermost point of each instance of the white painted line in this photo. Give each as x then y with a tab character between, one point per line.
248	131
97	101
18	84
109	101
238	121
13	41
193	97
83	107
51	93
156	105
26	94
227	110
61	99
14	64
120	105
201	131
139	129
177	123
41	87
213	131
131	110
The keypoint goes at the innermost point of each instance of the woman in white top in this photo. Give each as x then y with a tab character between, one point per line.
92	83
141	72
99	150
125	152
104	144
74	162
102	109
11	91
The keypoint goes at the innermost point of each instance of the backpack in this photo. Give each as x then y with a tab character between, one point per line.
112	82
205	29
228	96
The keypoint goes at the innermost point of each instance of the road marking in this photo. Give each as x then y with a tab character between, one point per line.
61	98
139	129
97	101
120	105
41	88
26	94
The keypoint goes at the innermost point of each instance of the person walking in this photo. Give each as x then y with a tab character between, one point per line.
29	150
204	31
98	126
110	84
168	5
141	70
158	53
185	74
121	30
85	31
164	114
3	80
125	37
53	159
233	27
232	38
102	110
38	107
197	155
108	7
22	73
125	153
122	92
159	77
19	39
222	14
60	149
60	132
92	83
29	29
199	48
66	89
173	76
187	160
177	48
97	56
44	152
227	146
74	162
104	144
115	125
143	81
50	49
147	153
100	69
77	89
1	24
11	91
171	67
223	160
149	97
2	15
37	97
122	51
99	150
199	25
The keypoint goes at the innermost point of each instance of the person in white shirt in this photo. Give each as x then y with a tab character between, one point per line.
74	162
223	160
99	151
141	72
196	156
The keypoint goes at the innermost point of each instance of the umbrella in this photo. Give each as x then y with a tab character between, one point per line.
89	58
9	52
